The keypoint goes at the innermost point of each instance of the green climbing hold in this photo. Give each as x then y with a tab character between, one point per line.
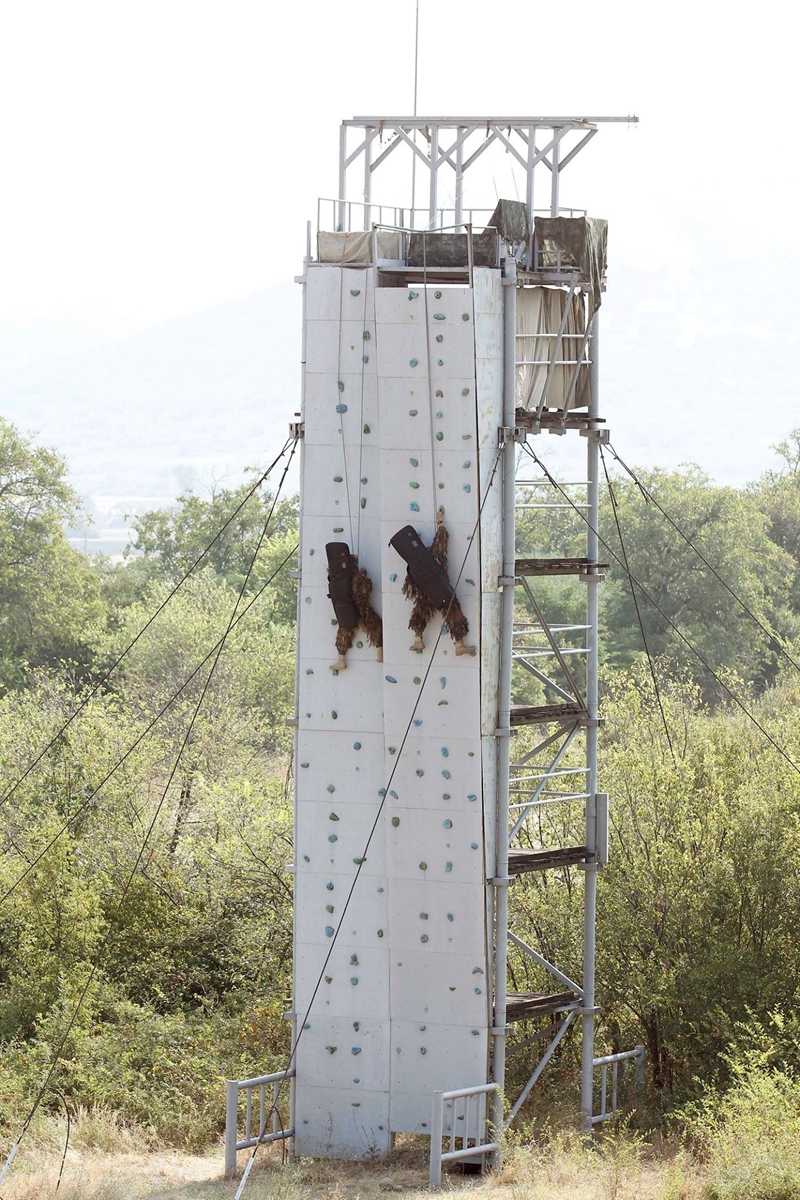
423	866
440	362
439	317
417	679
423	916
440	337
353	960
332	817
328	908
331	788
395	821
366	429
366	334
338	479
440	436
340	386
465	391
413	484
363	502
334	714
355	291
440	395
465	316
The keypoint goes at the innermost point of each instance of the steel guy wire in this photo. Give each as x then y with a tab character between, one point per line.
698	654
634	597
649	497
82	807
104	679
98	956
385	792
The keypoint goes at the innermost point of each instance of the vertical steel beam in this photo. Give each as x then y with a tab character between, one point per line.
592	663
504	698
231	1121
555	177
459	197
341	197
434	153
368	133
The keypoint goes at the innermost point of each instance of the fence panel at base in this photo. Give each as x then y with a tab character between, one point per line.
474	1121
267	1088
636	1057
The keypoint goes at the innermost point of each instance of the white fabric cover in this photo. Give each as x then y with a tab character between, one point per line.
357	247
539	311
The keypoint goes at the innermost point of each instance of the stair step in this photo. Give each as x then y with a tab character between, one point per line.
553	419
522	1006
522	861
553	566
534	714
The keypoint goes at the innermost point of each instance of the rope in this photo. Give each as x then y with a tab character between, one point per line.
98	957
430	378
733	695
340	388
379	813
361	408
648	496
636	606
120	762
104	679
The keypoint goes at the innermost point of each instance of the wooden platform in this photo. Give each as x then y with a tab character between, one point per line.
520	862
554	566
522	1006
535	714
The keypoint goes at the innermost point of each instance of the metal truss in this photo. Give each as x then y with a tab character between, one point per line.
562	138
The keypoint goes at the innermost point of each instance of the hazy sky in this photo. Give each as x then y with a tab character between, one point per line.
163	157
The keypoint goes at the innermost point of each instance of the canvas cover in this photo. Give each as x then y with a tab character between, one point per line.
582	242
539	312
356	247
436	249
510	219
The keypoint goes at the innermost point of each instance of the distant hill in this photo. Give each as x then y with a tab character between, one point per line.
203	395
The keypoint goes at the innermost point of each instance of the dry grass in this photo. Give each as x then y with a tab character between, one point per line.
106	1163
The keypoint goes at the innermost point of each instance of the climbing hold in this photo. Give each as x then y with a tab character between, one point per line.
359	861
414	462
363	501
445	795
359	1081
356	745
448	866
439	317
356	1026
333	837
355	1050
477	970
380	933
437	295
478	991
423	916
439	416
413	484
354	980
329	886
390	679
337	529
440	362
420	772
364	479
395	821
341	408
466	487
445	752
472	583
303	764
424	937
417	679
337	479
414	506
440	436
334	714
472	796
448	824
413	295
365	358
422	1028
440	395
328	908
443	680
355	291
366	429
331	788
329	931
466	464
366	334
440	337
465	316
423	866
306	858
340	385
473	845
332	816
412	412
360	645
413	362
393	749
382	792
393	577
331	1049
465	437
445	774
440	486
422	1050
465	391
449	916
393	794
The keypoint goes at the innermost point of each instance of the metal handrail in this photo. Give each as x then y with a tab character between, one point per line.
437	1128
232	1141
636	1056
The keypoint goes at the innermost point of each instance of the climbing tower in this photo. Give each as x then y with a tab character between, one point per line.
437	342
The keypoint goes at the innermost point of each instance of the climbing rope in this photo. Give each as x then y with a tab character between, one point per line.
104	678
384	793
697	653
141	737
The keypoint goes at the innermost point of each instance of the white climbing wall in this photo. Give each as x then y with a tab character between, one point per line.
402	403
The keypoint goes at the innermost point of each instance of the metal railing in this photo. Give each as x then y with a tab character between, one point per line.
340	215
636	1056
474	1122
266	1110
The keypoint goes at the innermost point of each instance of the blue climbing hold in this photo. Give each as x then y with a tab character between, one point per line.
390	679
356	745
414	506
446	774
445	752
341	408
355	1050
472	796
474	845
448	866
329	886
448	824
414	462
329	931
333	838
413	362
